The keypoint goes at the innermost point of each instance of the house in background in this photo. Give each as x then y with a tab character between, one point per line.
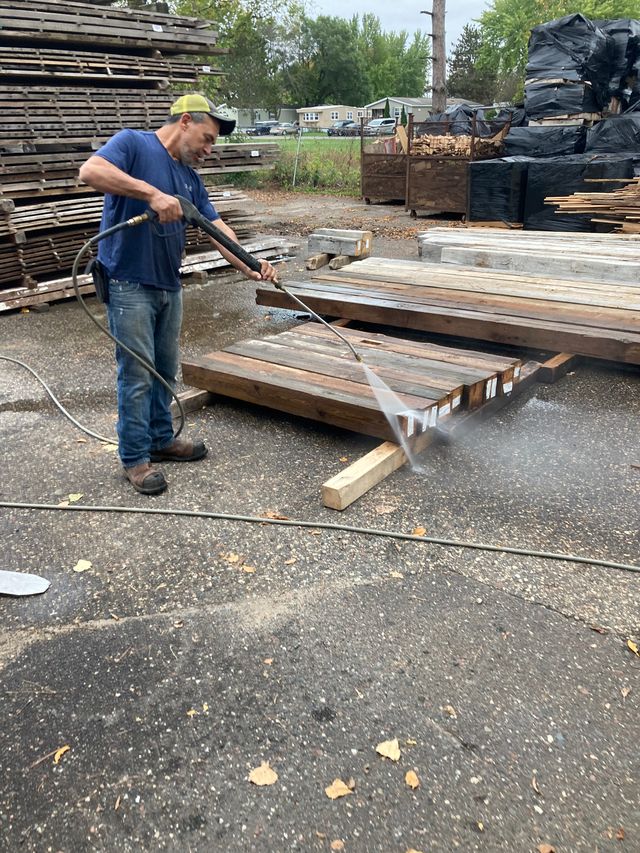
421	108
322	117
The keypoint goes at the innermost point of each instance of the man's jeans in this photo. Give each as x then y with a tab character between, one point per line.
148	321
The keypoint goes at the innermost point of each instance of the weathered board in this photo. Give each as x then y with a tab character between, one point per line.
311	373
577	316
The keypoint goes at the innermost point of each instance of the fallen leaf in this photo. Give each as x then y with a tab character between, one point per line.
546	848
451	711
271	514
411	742
535	786
205	707
634	647
412	780
419	531
82	566
192	712
337	844
109	448
268	661
395	574
250	570
620	834
60	752
290	561
117	805
263	775
321	834
389	749
625	691
81	440
413	850
480	826
337	789
315	532
385	509
351	783
63	503
230	557
344	459
74	498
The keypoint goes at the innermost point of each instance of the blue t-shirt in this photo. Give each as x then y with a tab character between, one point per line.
151	253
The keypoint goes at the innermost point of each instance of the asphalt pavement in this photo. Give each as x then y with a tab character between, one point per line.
192	650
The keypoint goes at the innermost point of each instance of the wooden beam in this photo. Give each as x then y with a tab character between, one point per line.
557	367
344	488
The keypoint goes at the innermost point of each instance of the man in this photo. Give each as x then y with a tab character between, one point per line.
138	170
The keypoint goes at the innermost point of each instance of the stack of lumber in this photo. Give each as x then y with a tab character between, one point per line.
449	145
598	257
55	65
56	23
72	75
620	207
310	372
43	239
578	316
35	175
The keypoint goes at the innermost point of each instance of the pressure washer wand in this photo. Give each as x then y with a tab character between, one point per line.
194	217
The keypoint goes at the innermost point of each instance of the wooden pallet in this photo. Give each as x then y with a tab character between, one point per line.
82	67
40	174
55	22
311	373
583	317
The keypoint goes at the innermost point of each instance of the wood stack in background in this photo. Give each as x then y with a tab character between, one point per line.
448	145
72	75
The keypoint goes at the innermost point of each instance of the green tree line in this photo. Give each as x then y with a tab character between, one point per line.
279	55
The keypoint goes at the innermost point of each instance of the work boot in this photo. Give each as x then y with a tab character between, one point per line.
146	479
180	450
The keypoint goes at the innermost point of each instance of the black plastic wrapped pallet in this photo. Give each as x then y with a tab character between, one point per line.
562	176
615	134
574	49
545	99
497	189
554	141
626	36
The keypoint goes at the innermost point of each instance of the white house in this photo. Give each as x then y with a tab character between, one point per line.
421	108
323	116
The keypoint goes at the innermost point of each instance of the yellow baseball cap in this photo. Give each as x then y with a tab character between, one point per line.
196	103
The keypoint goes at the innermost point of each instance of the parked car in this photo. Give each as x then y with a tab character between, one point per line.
380	127
262	128
338	127
284	128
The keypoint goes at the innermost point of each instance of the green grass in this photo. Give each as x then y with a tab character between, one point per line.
324	165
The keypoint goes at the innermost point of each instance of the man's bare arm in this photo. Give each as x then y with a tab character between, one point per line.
107	178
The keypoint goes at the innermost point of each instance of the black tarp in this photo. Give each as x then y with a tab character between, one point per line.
615	134
561	98
497	189
561	176
626	36
574	49
459	121
552	141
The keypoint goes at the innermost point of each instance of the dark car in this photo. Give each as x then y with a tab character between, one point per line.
338	127
262	128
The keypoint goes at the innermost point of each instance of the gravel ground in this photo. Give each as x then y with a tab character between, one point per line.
192	650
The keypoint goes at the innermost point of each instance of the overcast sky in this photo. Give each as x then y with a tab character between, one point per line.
404	14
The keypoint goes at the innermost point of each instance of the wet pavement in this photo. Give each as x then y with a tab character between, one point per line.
193	649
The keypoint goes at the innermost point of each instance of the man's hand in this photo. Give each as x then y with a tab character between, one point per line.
166	206
267	273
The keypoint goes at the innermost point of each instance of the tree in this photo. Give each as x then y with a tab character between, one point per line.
467	78
387	109
395	65
403	117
